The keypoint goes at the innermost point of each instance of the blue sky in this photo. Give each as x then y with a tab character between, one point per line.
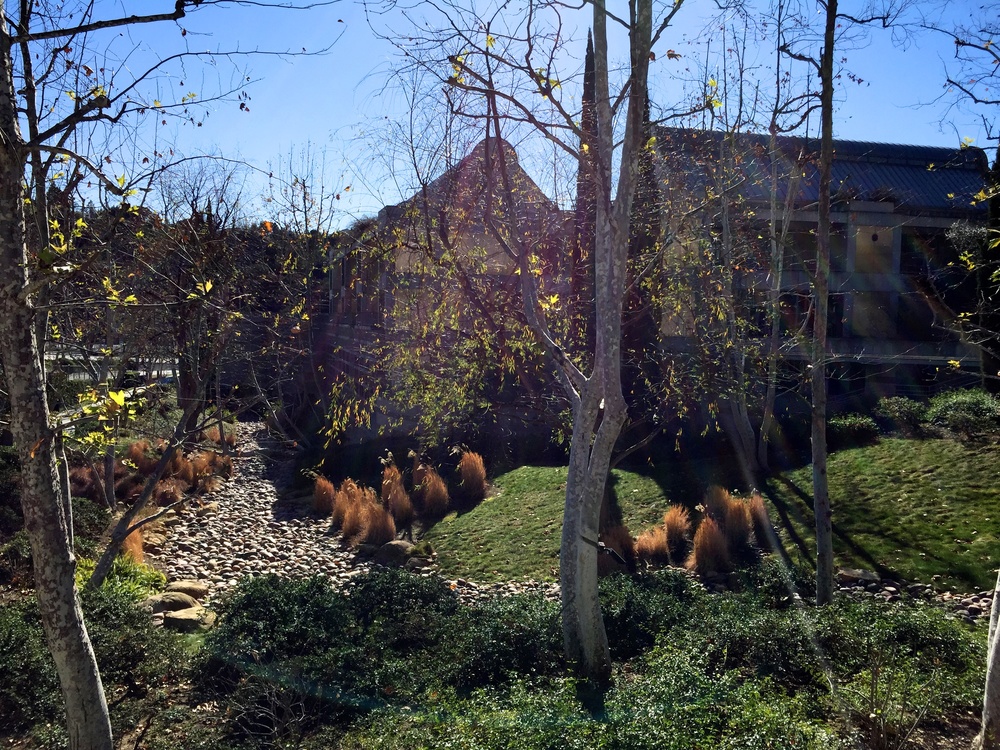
330	99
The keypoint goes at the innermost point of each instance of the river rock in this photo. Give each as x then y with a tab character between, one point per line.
169	601
189	620
195	589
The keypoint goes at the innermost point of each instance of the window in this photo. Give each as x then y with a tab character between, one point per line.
873	250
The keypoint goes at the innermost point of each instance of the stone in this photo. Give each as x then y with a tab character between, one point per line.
195	589
189	620
394	554
169	601
856	575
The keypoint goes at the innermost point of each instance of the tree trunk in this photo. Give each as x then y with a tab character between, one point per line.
46	519
989	733
821	293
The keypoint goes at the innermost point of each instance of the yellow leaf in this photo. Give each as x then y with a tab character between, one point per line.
118	397
121	181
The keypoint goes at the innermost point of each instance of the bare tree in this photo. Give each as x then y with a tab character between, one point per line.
47	48
823	62
509	58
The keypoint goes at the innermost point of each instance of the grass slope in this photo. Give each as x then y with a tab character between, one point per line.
515	532
910	509
906	508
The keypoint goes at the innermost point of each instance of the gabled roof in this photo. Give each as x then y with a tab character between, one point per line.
473	186
919	179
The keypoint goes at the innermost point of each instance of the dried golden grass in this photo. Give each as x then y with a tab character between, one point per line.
710	554
435	494
355	516
390	479
137	453
168	491
201	464
128	488
81	481
472	478
324	496
737	527
223	466
620	540
677	525
347	497
651	547
132	546
716	502
379	528
763	530
400	507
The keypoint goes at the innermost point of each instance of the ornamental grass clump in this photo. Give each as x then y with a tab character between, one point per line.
132	547
737	527
348	495
324	496
435	495
716	503
472	479
379	528
168	492
399	506
138	454
651	547
619	539
677	525
710	555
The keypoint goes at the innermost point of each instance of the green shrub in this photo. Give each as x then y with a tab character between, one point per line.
677	700
284	657
773	583
516	636
15	556
396	598
897	663
636	610
901	413
851	431
737	634
131	653
29	688
969	412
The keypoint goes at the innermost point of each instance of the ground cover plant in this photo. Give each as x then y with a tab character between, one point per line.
396	662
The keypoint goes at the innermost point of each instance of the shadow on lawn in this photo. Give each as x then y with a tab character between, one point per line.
786	512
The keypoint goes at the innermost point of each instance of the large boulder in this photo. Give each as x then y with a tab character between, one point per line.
196	589
393	554
189	620
169	601
856	575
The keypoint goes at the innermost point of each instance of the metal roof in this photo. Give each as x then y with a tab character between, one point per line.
922	179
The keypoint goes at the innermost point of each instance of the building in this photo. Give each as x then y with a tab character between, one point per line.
895	281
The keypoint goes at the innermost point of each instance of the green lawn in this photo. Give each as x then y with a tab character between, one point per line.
515	532
906	508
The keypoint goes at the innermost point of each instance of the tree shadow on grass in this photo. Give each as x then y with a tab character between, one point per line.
786	512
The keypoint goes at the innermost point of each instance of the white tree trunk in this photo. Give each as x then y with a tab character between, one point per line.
989	733
46	518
